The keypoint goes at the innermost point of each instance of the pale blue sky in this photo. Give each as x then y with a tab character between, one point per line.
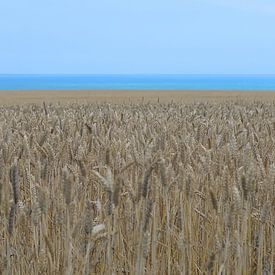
137	36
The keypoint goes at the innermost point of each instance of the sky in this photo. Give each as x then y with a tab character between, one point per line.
137	37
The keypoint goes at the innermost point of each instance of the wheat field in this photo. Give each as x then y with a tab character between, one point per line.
138	187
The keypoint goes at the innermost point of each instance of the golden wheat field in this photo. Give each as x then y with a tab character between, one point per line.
149	187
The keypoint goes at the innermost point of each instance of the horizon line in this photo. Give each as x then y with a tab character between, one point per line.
139	74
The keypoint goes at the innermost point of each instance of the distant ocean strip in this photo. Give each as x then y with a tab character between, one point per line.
142	82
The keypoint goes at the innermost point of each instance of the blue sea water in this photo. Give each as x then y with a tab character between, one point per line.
189	82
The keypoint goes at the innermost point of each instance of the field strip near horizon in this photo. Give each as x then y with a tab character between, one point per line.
10	97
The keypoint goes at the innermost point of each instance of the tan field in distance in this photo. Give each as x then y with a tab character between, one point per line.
124	96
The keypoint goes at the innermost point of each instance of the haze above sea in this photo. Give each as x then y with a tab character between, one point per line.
136	82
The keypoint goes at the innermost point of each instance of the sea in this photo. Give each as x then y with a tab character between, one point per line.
143	82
